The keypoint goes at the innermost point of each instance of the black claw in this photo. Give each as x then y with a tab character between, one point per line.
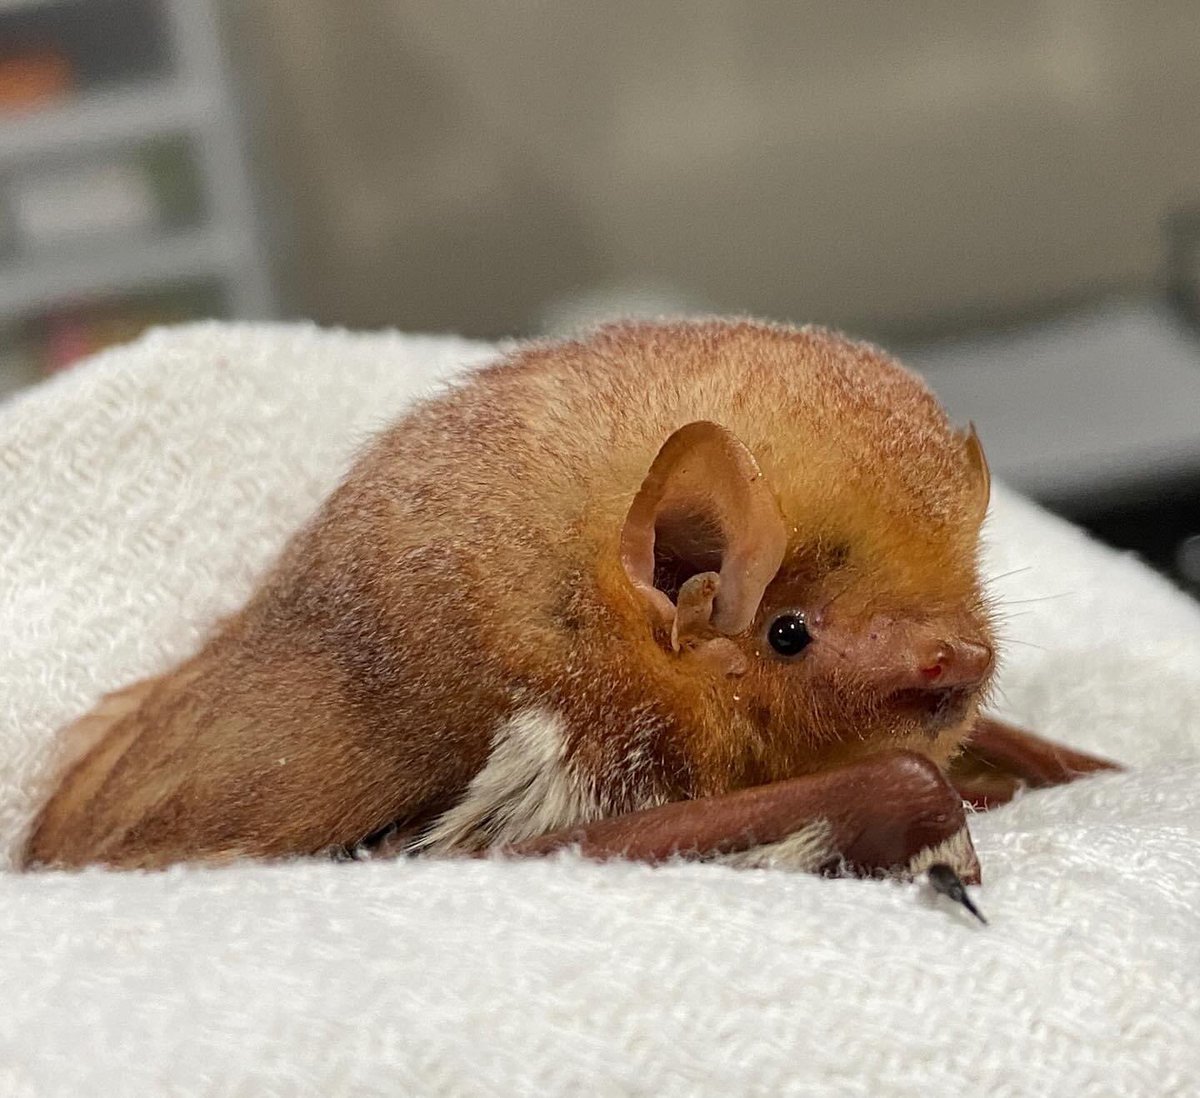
949	883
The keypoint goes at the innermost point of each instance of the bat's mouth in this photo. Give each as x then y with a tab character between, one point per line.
933	708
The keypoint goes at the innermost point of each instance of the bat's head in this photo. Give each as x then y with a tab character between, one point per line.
812	576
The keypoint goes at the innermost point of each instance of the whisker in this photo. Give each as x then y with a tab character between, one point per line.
1027	644
1011	572
1037	598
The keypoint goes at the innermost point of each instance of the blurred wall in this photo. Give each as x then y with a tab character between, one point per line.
442	164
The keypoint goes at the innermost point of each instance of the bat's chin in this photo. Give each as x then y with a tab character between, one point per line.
933	712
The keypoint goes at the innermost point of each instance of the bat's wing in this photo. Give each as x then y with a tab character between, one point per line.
999	759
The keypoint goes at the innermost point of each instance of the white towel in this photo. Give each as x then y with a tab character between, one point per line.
139	497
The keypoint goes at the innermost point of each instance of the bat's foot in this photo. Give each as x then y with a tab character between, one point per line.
947	882
956	852
811	850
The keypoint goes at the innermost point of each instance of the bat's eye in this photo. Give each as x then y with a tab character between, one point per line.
789	634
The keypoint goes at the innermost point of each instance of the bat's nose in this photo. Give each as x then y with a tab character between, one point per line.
959	664
938	685
896	655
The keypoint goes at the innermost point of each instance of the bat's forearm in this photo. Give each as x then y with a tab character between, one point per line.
880	814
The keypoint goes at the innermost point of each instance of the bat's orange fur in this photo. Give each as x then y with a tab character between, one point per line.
470	564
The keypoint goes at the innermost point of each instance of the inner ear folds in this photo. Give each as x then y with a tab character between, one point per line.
977	463
704	507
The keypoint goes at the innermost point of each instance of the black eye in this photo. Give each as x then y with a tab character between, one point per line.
789	635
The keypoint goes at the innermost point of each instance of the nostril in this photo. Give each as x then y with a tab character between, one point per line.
941	658
962	664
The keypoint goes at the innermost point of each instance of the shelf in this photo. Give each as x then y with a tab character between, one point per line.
1094	406
24	5
29	285
101	118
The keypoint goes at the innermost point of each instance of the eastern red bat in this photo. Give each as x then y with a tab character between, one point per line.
704	589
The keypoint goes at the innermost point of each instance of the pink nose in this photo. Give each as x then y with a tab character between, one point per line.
962	663
894	654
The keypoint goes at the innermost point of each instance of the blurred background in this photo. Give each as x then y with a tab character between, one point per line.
1006	194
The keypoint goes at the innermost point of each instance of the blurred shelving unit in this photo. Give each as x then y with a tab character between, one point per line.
1096	413
125	193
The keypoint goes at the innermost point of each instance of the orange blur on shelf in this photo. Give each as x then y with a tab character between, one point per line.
34	79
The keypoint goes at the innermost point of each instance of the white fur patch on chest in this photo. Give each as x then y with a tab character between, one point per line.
526	788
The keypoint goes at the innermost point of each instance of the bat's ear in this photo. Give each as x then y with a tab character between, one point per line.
977	463
704	507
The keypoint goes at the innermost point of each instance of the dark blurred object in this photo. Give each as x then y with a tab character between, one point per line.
61	337
1163	527
1182	230
1187	552
99	42
46	342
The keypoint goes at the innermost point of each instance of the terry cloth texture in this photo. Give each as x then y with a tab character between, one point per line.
139	497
